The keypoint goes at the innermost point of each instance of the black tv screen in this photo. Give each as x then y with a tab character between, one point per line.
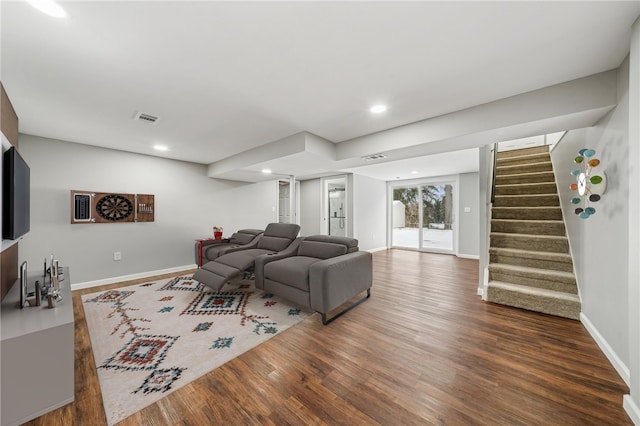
15	195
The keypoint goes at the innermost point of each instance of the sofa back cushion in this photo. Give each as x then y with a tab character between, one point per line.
244	236
278	236
350	243
321	250
273	243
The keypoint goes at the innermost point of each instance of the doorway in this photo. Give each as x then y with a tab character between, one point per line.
423	216
288	200
335	201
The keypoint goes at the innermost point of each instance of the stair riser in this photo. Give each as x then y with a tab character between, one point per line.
527	188
526	201
524	159
533	263
524	168
550	213
525	178
562	308
525	151
530	242
551	228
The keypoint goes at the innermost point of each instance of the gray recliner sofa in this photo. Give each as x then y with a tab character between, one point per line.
240	260
208	250
320	272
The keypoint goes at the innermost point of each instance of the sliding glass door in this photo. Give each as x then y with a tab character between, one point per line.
423	216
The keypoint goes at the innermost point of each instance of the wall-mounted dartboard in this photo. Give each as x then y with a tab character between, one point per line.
114	207
108	207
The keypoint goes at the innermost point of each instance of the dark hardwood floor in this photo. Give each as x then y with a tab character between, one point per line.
425	349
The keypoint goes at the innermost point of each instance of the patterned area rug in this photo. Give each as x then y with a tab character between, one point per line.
150	339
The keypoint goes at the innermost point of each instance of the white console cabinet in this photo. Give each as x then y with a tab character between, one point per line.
37	355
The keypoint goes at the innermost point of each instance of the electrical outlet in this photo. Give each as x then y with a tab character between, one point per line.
117	255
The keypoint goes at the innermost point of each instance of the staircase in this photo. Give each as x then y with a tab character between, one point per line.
530	266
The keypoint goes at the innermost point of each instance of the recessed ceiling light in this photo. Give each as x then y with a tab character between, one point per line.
266	171
376	109
50	7
413	172
160	148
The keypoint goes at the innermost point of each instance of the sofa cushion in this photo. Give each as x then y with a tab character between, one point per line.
273	243
241	239
243	259
321	250
293	271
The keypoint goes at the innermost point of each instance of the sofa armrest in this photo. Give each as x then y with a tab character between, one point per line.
201	244
334	281
262	260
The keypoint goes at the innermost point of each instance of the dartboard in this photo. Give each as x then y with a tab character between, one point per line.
114	207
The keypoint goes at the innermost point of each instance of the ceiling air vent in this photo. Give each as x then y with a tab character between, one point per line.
373	157
146	118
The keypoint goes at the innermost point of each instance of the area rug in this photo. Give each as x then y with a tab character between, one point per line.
151	339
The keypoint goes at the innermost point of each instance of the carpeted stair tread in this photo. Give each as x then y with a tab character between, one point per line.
528	200
540	166
523	159
523	151
526	188
535	299
546	176
531	254
528	213
531	259
526	271
552	243
529	226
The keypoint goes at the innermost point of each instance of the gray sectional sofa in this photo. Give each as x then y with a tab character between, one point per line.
318	272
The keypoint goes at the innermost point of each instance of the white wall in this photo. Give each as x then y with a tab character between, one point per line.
468	229
369	212
188	204
599	243
310	197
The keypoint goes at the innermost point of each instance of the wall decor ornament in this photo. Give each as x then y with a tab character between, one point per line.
590	183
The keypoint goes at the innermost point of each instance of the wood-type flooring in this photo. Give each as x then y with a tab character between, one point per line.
425	349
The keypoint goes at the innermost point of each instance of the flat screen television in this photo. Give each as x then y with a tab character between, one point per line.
15	195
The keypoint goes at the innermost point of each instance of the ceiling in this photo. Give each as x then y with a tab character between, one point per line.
229	77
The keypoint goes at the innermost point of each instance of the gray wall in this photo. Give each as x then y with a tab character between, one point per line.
632	401
468	222
369	212
599	244
188	205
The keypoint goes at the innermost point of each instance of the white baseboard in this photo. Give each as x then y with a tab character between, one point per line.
611	355
113	280
377	249
468	256
632	409
481	292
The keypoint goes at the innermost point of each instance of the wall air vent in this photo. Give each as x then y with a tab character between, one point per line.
373	157
146	118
